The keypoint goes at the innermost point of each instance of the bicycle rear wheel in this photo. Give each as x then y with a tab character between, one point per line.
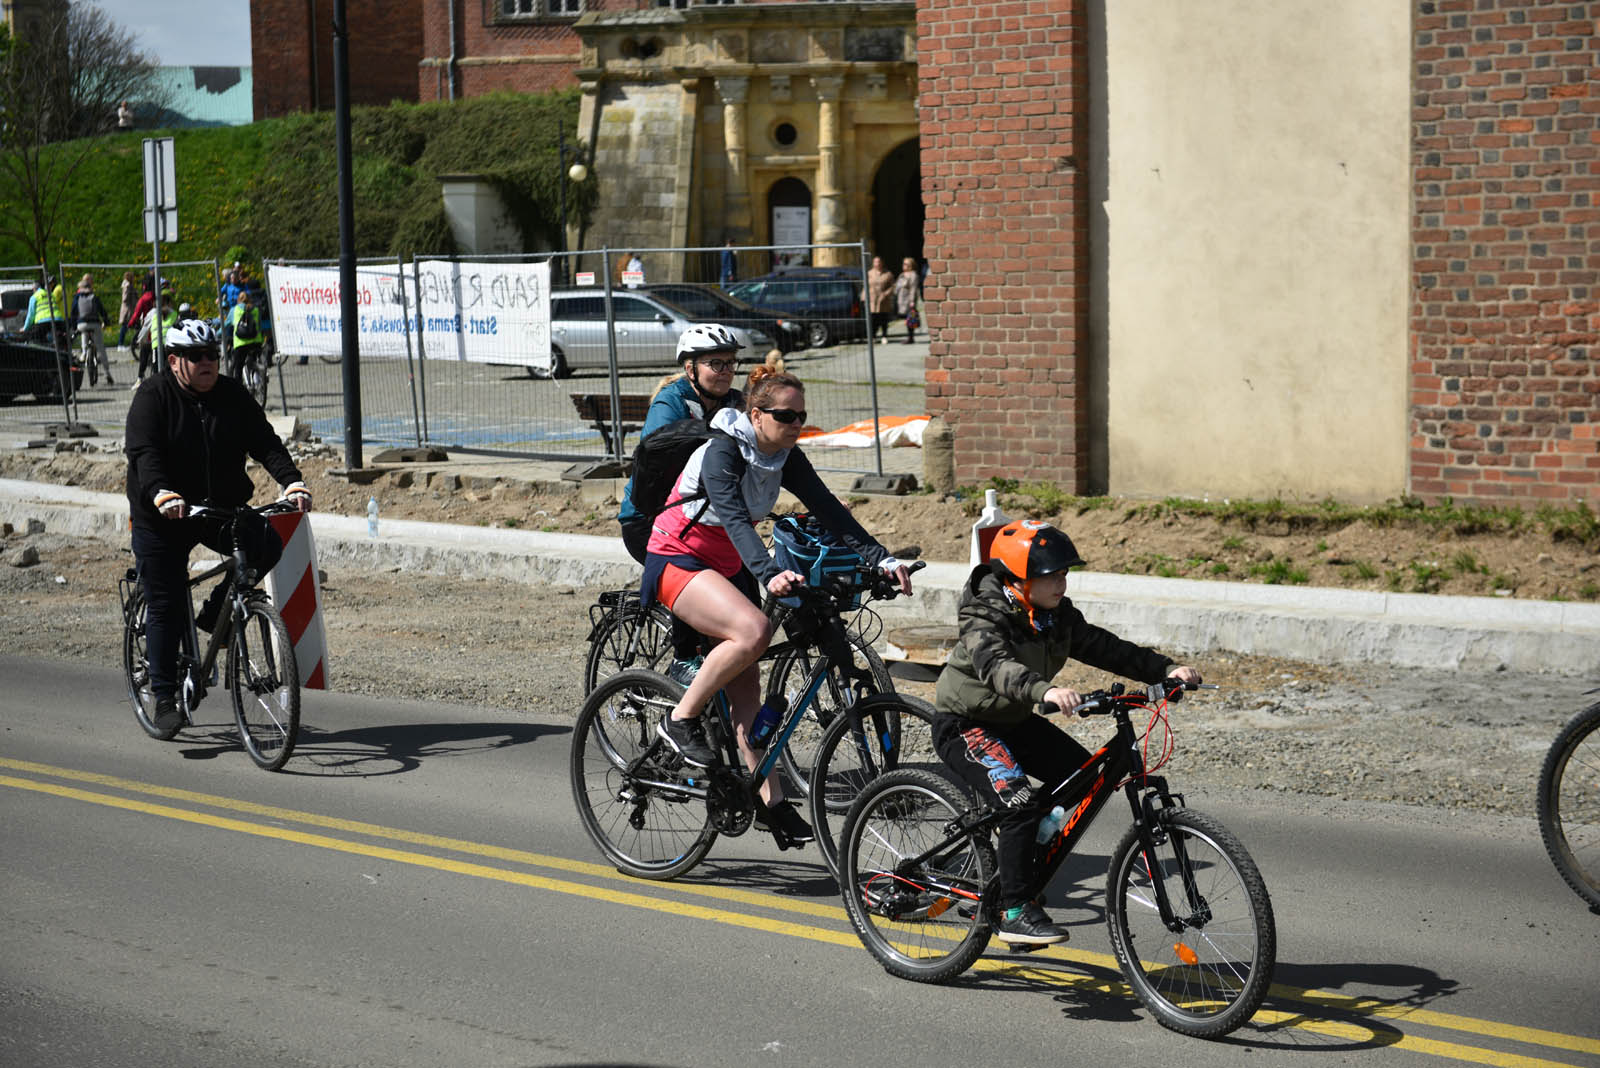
136	666
608	648
922	920
895	730
625	780
788	677
254	376
1569	804
1210	976
266	684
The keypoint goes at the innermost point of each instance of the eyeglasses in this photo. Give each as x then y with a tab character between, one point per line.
785	415
721	367
196	355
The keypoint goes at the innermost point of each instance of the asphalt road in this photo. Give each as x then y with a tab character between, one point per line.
414	889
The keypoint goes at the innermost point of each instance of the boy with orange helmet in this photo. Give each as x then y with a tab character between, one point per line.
1017	631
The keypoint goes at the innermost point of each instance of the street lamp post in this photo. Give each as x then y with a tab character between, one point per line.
575	173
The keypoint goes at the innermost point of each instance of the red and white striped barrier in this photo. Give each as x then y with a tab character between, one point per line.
297	594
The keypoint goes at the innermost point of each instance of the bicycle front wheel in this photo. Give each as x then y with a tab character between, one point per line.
788	677
1209	976
923	919
614	647
136	667
896	730
255	380
1569	804
628	784
266	684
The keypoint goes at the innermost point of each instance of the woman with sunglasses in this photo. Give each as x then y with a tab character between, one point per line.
708	565
189	431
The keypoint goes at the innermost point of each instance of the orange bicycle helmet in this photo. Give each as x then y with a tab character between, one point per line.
1025	549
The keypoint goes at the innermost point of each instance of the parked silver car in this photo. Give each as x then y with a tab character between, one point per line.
647	330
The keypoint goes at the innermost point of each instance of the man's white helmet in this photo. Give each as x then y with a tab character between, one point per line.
191	334
704	338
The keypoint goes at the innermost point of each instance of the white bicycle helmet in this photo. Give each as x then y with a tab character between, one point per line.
191	334
704	338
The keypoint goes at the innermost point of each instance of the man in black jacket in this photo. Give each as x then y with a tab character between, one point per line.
189	431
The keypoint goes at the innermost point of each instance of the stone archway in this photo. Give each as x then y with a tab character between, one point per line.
790	219
897	212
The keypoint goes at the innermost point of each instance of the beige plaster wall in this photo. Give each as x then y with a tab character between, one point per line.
1252	334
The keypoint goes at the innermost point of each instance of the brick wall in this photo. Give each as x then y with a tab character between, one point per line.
1506	234
290	37
1003	111
495	54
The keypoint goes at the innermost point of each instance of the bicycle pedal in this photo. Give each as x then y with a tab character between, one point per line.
1023	947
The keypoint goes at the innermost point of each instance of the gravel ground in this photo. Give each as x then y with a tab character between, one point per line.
1442	740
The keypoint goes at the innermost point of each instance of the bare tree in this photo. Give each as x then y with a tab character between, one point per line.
59	87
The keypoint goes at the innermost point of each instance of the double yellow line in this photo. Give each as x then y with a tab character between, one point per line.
1331	1015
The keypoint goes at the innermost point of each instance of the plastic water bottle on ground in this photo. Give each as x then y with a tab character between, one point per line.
1051	825
372	518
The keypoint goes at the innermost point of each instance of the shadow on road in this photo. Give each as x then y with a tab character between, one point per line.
378	750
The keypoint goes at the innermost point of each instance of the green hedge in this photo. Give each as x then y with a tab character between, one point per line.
270	189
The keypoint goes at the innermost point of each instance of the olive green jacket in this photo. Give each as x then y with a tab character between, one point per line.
1001	666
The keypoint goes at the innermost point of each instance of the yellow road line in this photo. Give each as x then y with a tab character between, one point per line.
1360	1006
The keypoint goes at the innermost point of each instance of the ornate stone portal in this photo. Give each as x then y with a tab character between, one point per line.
696	116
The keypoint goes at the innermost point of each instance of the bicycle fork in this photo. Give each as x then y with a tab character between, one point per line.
1148	810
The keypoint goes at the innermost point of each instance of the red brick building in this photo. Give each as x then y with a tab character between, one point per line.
291	51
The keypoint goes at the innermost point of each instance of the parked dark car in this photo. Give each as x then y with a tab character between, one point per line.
826	300
33	368
14	308
707	302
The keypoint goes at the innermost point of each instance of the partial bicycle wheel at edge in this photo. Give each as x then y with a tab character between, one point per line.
1210	977
1569	804
627	782
136	669
921	921
897	730
265	681
609	647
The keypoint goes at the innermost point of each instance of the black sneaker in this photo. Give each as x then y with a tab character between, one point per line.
784	819
1031	927
167	717
683	672
688	739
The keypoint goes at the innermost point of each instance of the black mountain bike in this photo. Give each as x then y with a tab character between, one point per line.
1569	803
656	817
1190	920
261	672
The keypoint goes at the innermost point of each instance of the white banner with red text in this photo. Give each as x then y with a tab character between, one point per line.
458	310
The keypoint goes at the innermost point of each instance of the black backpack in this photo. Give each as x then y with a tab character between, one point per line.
247	327
658	461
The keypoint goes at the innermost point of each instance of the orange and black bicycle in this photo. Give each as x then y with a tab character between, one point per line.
1188	912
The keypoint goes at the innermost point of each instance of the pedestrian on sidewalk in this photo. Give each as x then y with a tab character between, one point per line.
130	294
905	296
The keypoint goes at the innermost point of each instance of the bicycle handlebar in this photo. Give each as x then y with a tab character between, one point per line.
230	511
1101	702
875	583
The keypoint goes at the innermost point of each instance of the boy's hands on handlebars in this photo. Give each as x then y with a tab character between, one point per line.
1062	698
1186	675
295	493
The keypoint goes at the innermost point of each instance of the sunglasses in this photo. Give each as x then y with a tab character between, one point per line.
785	415
197	355
721	366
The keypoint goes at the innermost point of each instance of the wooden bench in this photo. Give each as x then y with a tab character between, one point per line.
595	409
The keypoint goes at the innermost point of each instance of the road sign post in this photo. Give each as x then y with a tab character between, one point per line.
160	220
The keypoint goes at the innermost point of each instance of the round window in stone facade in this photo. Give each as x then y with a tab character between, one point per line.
784	135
